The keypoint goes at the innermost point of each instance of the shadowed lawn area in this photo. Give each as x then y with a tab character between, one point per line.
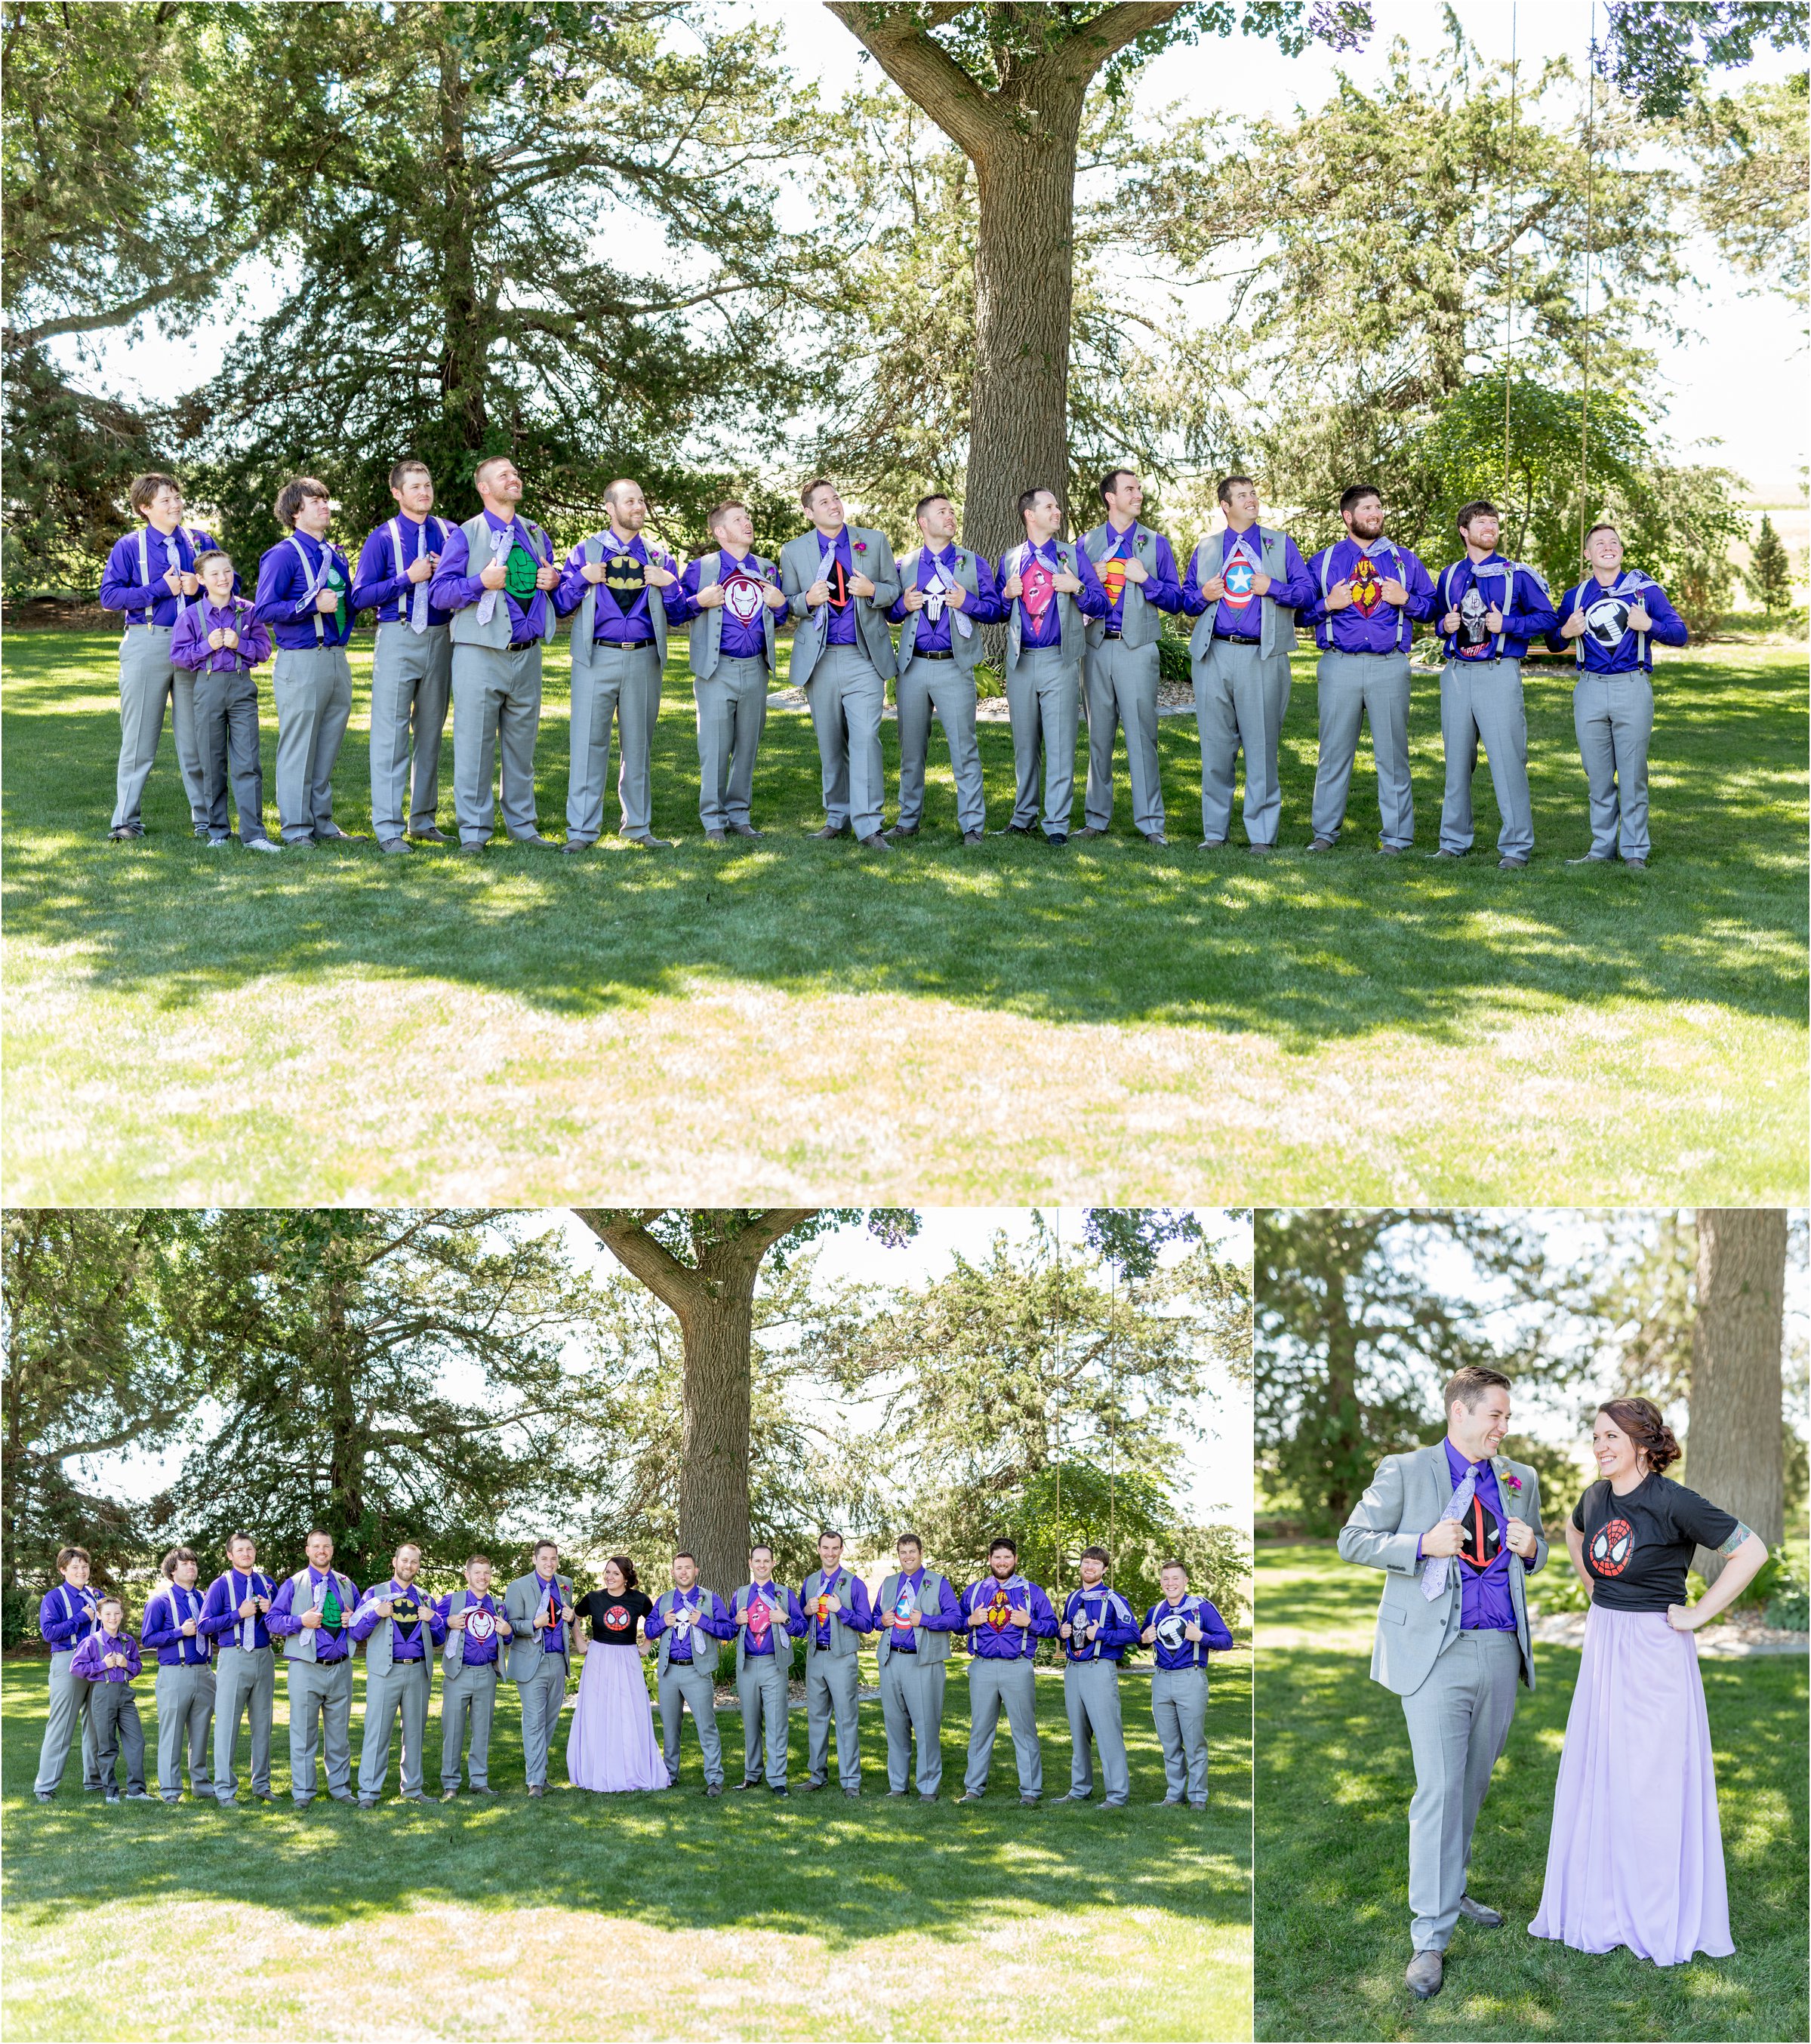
1334	1778
1007	1022
639	1915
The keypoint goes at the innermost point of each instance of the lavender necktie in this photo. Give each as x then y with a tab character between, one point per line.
1433	1575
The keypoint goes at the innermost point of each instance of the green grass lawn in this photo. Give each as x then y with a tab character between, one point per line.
1007	1022
1334	1777
641	1916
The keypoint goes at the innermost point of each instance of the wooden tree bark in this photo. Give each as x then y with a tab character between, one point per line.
713	1299
1021	137
1734	1445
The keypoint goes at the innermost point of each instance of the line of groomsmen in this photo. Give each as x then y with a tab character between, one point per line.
215	1653
464	611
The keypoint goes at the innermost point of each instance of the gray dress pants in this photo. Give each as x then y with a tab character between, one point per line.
830	1685
1044	694
468	1697
1122	691
993	1686
762	1685
226	731
117	1731
912	1702
848	699
404	1688
1090	1690
244	1686
69	1708
1178	1709
543	1698
1241	697
185	1717
1352	687
411	686
683	1683
313	690
320	1706
620	686
940	686
1481	701
148	682
732	713
1458	1722
496	697
1613	715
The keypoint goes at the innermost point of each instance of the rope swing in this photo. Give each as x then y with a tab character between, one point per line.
1062	1349
1509	279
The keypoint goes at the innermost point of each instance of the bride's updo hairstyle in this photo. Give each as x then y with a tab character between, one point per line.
1639	1419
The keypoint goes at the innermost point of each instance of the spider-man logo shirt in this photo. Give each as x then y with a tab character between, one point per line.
1638	1547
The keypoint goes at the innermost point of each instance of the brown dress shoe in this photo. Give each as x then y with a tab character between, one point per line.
1423	1975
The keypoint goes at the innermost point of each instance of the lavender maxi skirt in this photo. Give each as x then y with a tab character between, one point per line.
611	1746
1635	1856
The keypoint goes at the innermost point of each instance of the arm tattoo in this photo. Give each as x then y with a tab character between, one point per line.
1735	1539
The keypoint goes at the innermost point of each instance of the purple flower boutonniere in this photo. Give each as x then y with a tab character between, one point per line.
861	546
1515	1483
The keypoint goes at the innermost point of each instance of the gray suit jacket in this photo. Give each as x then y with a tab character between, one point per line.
525	1647
1405	1498
798	571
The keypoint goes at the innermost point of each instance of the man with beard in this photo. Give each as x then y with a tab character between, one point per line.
947	592
1005	1616
1097	1626
841	581
731	597
1138	572
400	1627
1490	609
767	1618
1243	588
1611	620
1369	594
496	577
626	593
312	1615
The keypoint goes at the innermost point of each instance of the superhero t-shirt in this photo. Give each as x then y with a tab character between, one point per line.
1638	1547
614	1619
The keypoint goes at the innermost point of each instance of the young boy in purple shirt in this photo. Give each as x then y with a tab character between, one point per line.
219	640
109	1661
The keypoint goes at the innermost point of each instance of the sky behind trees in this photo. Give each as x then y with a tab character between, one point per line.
1745	341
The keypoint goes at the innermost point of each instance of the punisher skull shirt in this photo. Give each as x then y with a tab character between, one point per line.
1639	1546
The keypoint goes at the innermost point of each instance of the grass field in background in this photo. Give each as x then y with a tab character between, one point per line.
1334	1777
637	1916
788	1018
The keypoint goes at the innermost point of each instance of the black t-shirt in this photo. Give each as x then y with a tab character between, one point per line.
1638	1547
614	1619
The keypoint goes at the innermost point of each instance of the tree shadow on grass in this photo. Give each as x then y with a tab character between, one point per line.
818	1866
1298	948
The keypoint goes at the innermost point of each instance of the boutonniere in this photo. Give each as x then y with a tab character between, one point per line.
1513	1481
861	546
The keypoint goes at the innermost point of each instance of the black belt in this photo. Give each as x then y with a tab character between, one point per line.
917	655
1114	630
623	645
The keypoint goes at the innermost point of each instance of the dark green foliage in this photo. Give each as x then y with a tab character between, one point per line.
1769	569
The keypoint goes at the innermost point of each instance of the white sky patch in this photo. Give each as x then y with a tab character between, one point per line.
1735	392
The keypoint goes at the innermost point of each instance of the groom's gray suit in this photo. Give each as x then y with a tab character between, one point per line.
1458	1687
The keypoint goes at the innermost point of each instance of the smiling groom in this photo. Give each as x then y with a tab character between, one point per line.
1455	1527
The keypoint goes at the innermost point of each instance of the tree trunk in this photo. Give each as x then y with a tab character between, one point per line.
1735	1449
714	1301
1023	263
466	335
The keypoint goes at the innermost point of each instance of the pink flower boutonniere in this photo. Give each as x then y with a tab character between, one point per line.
861	546
1514	1482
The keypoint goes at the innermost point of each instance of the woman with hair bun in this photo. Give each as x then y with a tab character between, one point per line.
1635	1856
612	1747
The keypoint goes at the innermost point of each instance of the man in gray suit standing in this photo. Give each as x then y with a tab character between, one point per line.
841	581
1455	1528
834	1600
539	1608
